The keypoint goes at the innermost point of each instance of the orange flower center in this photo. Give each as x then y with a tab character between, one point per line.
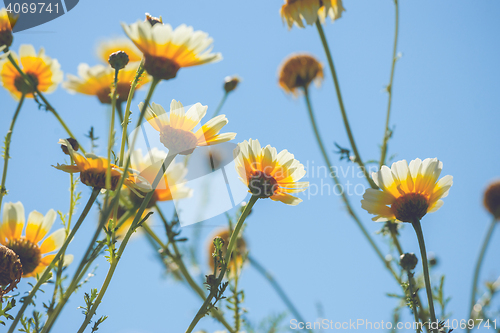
97	178
178	141
262	185
122	91
160	68
410	206
28	252
23	87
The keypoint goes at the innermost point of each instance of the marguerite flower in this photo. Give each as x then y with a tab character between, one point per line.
98	80
33	255
7	23
298	71
295	11
176	128
109	46
93	170
44	72
407	192
173	186
166	50
237	256
268	174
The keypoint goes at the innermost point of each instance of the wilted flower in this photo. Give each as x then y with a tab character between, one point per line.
176	128
295	11
407	192
269	174
166	50
28	248
298	71
492	199
44	72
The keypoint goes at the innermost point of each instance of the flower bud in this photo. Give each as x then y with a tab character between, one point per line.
74	144
153	20
408	261
230	83
118	60
492	199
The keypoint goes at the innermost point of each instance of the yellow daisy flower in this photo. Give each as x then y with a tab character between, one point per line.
269	174
173	185
43	71
93	170
109	46
7	23
98	80
176	128
408	192
296	11
34	256
239	251
166	50
298	71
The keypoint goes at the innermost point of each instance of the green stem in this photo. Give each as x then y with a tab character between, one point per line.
425	264
119	112
344	196
389	88
111	133
411	284
6	155
478	267
221	103
48	106
232	242
115	259
281	293
359	161
28	299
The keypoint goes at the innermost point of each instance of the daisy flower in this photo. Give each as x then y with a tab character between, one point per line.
98	80
296	11
93	170
176	127
112	45
166	50
298	71
32	252
407	192
45	73
7	23
269	174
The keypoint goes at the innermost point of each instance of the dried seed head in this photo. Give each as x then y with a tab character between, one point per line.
11	270
118	59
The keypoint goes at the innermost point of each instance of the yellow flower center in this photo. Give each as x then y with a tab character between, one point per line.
28	252
410	206
160	68
97	178
177	140
262	185
122	91
23	87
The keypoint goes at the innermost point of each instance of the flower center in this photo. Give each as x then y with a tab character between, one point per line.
178	141
23	87
410	206
262	185
95	178
28	252
160	68
122	91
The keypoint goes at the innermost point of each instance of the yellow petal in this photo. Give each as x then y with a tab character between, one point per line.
53	242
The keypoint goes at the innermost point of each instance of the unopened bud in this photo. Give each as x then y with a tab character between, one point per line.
230	83
74	145
492	199
118	59
408	261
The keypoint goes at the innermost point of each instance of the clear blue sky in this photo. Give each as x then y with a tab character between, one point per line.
445	105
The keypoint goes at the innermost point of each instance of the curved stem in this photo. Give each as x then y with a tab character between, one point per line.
221	103
281	293
389	88
425	264
27	300
232	242
359	161
6	155
344	196
478	267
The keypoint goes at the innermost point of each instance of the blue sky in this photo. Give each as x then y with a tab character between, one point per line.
445	105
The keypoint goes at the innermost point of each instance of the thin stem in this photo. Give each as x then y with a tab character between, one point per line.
425	264
48	106
111	133
479	262
119	112
27	300
389	87
281	293
341	105
344	196
6	155
221	103
115	259
411	285
232	242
